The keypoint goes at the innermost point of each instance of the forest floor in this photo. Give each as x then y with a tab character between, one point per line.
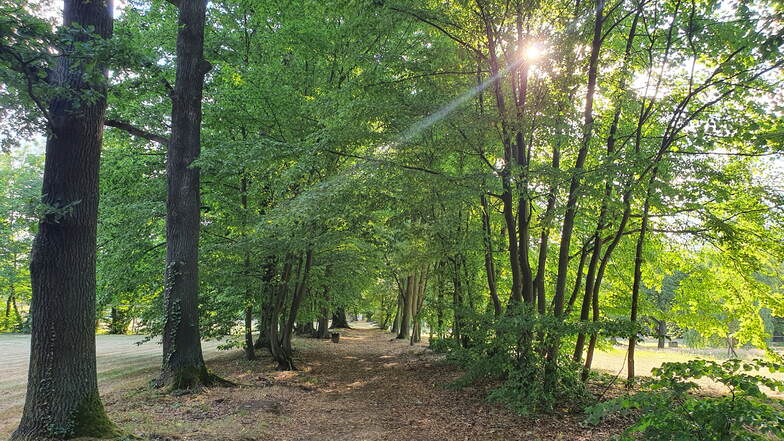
368	387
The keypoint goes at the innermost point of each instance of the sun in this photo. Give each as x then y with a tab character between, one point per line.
532	52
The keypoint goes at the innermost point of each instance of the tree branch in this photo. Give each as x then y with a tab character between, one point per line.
135	131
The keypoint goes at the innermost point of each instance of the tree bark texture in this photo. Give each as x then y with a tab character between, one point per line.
62	398
183	364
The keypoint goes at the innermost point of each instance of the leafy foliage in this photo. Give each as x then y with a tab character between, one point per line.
670	408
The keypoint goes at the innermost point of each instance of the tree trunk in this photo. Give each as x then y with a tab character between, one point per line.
62	398
489	262
637	281
323	320
550	376
440	301
119	321
585	309
405	316
661	331
416	305
265	306
250	349
323	325
299	294
8	305
277	349
183	363
339	319
398	314
594	277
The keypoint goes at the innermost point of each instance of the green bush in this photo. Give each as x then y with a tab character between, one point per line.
510	350
670	408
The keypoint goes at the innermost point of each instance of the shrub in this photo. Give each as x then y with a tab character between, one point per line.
670	408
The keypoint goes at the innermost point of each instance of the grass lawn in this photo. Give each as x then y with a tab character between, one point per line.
648	356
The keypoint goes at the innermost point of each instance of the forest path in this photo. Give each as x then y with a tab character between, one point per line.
368	387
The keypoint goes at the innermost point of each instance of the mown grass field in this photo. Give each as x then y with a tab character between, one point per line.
118	358
648	356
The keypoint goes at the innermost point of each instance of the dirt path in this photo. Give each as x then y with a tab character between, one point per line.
368	387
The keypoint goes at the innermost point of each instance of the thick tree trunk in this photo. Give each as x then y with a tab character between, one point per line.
265	306
183	363
416	305
339	319
62	389
323	325
405	316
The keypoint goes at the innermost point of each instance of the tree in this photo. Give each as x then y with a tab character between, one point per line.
62	389
183	362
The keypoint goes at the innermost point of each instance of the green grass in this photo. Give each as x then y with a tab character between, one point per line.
647	357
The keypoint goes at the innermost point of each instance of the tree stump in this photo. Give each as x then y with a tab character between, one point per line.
335	337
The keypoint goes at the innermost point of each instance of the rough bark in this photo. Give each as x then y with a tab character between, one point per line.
339	319
62	398
183	364
323	325
416	305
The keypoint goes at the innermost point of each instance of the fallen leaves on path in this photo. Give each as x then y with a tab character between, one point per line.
368	387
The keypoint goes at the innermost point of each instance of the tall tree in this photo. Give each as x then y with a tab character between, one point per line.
62	388
183	362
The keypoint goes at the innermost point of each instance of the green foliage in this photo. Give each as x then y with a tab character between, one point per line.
20	182
511	348
670	407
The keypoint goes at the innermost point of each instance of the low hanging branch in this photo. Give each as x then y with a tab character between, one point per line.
135	131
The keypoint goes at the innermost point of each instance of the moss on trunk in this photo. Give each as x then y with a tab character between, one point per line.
90	420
